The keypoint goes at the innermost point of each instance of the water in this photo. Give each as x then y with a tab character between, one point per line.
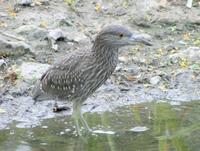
142	127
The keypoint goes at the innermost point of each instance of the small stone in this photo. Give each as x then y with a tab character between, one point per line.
2	111
64	22
67	130
119	67
13	48
56	34
2	64
32	31
2	14
54	46
25	2
193	53
123	58
12	132
155	80
45	126
118	12
74	35
133	69
45	2
182	42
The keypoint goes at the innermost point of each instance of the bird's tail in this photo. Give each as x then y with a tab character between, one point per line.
38	94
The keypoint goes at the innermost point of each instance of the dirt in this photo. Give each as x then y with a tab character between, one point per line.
169	70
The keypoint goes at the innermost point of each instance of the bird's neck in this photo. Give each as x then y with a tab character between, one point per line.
105	54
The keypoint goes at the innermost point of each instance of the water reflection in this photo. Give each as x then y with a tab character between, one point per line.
156	126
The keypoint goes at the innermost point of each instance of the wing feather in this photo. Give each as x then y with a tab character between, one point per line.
64	78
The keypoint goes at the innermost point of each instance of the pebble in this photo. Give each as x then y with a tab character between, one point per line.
2	64
182	42
45	126
155	80
2	14
62	133
45	2
67	130
123	59
56	34
133	69
25	2
118	12
13	48
191	54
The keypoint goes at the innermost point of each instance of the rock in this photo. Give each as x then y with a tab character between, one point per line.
45	2
74	35
32	31
56	34
2	14
13	48
20	89
155	80
117	11
119	67
191	54
71	35
141	22
32	2
25	2
123	59
31	71
182	42
155	62
63	21
133	69
2	64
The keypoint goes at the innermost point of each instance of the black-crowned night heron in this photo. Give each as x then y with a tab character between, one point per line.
80	73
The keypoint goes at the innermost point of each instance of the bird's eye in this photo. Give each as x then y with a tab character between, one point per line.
121	35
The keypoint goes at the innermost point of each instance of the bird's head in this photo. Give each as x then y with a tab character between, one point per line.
118	36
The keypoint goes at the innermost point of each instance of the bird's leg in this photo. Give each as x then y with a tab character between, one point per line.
76	115
85	124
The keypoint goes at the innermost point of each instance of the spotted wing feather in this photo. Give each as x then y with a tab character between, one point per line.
62	83
62	80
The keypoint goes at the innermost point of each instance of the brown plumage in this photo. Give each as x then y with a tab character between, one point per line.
80	73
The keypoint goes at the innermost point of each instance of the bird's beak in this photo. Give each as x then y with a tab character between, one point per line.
140	39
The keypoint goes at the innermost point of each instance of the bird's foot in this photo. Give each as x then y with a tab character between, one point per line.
57	108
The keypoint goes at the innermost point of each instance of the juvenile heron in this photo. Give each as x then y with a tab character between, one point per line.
80	73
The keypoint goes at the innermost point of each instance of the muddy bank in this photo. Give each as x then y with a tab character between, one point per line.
169	70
